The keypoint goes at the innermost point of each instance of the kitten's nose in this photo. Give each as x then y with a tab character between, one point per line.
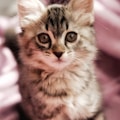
58	54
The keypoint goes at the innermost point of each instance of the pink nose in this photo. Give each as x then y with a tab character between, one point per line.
58	54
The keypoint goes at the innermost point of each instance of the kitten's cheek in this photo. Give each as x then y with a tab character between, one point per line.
68	57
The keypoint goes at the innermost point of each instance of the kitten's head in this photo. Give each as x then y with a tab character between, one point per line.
56	36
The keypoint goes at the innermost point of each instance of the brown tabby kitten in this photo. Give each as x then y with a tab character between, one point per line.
57	50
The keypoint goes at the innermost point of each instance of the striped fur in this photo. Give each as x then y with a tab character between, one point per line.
56	21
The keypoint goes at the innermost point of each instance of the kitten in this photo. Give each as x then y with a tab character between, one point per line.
57	51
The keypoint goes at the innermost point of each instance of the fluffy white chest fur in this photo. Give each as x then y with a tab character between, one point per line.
60	96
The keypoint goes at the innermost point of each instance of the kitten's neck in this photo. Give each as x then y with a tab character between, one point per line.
60	83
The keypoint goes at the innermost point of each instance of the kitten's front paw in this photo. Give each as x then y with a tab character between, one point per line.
100	116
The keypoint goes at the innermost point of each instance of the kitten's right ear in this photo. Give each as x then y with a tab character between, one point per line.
82	11
85	6
29	11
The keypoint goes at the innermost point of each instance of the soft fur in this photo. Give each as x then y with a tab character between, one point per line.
57	79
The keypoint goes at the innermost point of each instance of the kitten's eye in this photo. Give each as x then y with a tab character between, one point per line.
43	38
71	37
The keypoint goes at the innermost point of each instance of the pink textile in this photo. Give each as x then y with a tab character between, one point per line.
107	25
9	92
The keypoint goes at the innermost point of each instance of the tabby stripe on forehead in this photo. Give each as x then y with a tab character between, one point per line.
56	21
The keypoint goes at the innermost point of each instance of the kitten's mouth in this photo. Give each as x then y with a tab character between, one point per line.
59	64
59	60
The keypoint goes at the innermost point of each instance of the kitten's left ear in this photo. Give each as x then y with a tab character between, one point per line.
81	9
29	10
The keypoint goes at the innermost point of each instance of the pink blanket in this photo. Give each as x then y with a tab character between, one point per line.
9	93
107	25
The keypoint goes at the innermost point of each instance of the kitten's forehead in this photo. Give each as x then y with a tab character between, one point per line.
56	21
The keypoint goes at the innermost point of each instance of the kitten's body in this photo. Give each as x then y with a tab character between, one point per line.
57	77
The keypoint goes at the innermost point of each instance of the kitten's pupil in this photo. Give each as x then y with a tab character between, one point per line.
71	37
43	38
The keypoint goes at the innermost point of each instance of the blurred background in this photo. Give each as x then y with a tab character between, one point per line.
8	7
